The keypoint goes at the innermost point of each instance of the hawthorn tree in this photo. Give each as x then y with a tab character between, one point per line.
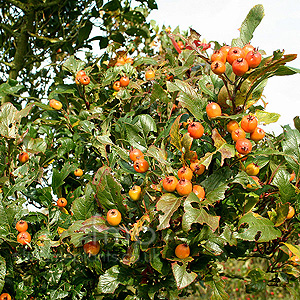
109	223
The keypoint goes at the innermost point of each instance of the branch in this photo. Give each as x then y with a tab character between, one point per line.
7	28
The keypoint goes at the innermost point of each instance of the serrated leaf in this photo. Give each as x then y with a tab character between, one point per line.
175	135
226	150
265	117
249	25
291	148
73	65
218	288
259	228
59	176
2	272
182	277
158	94
295	249
188	97
8	123
84	207
258	281
168	204
108	190
186	144
110	280
197	215
228	236
286	189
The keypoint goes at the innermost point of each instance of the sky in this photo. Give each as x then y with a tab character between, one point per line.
220	20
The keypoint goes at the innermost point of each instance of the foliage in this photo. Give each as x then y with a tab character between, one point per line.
239	219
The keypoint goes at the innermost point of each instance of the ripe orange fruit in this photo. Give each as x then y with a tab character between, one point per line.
213	110
136	154
182	251
240	66
235	53
197	168
184	187
218	67
113	217
24	237
243	146
141	165
249	123
199	191
291	212
170	183
91	248
195	130
150	75
232	125
185	173
219	56
22	226
124	81
62	202
57	105
78	172
5	296
23	157
257	135
247	48
117	85
237	134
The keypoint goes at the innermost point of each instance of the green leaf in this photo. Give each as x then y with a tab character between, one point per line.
158	93
218	287
110	280
168	204
182	277
278	215
35	146
258	281
136	31
108	190
197	215
146	124
134	16
286	189
265	117
175	135
188	97
2	272
84	207
73	65
66	146
297	123
8	126
59	176
228	236
84	32
205	83
259	229
135	137
249	25
291	148
295	249
146	61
